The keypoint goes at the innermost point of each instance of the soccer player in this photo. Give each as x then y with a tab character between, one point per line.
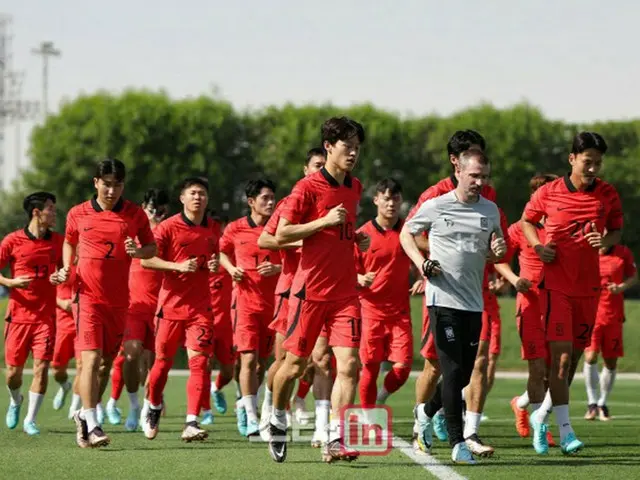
530	324
256	272
64	348
321	211
464	229
139	336
383	276
101	232
33	254
618	273
290	256
187	253
577	208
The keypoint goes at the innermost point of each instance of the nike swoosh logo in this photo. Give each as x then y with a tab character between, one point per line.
86	229
243	243
374	250
183	245
474	344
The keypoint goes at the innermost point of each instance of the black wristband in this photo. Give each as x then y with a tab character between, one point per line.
428	266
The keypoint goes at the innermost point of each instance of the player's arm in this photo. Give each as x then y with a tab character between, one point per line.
64	304
145	252
420	222
498	245
533	212
611	238
269	242
630	274
148	248
288	232
157	263
628	283
5	256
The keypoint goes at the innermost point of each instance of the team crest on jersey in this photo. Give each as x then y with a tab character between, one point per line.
484	224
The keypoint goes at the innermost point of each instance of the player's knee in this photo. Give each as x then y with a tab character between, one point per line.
610	363
348	367
249	360
591	357
480	365
198	364
431	368
132	351
322	360
402	372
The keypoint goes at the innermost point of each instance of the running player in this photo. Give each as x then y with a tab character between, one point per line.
383	276
529	321
187	253
321	211
618	273
256	272
33	254
101	233
315	160
139	337
577	208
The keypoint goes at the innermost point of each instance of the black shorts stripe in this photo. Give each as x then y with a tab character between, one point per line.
275	315
7	327
519	324
296	319
547	314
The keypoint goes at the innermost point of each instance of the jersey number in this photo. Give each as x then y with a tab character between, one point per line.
346	231
111	246
41	270
257	257
356	328
578	228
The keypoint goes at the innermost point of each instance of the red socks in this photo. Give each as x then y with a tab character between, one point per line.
368	388
117	379
197	384
396	377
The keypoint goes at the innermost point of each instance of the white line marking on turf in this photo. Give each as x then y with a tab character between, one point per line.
428	462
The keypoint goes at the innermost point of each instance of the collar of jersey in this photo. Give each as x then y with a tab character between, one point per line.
30	236
333	182
116	208
573	189
190	223
381	229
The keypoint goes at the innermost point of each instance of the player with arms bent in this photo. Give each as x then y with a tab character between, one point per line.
101	233
321	211
187	253
577	208
33	253
464	229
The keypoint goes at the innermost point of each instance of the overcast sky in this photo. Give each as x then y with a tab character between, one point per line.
575	59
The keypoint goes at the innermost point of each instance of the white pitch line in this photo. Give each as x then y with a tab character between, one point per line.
428	462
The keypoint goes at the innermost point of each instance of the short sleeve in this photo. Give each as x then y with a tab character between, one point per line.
536	207
71	229
6	248
423	218
615	219
144	233
629	263
429	193
226	242
161	237
298	203
514	238
358	256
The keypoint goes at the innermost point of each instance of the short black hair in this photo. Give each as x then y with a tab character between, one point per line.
111	166
156	197
191	181
388	184
341	128
36	200
315	152
585	140
254	187
463	140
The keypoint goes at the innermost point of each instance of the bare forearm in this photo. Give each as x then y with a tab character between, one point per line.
292	233
156	263
410	247
146	252
268	241
68	253
629	282
504	269
423	243
530	232
4	281
226	262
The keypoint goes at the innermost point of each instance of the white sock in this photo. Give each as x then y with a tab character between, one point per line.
214	389
155	407
535	407
133	400
16	396
191	418
35	400
420	414
89	415
279	419
591	382
382	395
250	403
462	394
268	397
207	412
66	385
238	391
471	424
334	428
607	378
76	403
99	410
111	404
523	400
260	393
441	411
562	419
545	409
323	410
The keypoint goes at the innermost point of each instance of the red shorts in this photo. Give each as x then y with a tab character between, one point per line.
428	343
279	323
251	333
568	319
100	327
22	338
140	327
491	330
194	334
387	338
607	338
530	326
223	338
306	319
65	348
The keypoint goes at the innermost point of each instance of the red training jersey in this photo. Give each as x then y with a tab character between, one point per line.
36	258
616	265
530	263
290	256
220	286
144	287
99	236
64	291
389	291
569	215
240	239
327	269
184	296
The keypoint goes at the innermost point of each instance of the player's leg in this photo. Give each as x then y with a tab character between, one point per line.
133	354
372	353
63	352
299	400
322	385
612	349
400	348
114	414
225	354
76	401
495	347
16	350
267	404
42	343
170	335
590	371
